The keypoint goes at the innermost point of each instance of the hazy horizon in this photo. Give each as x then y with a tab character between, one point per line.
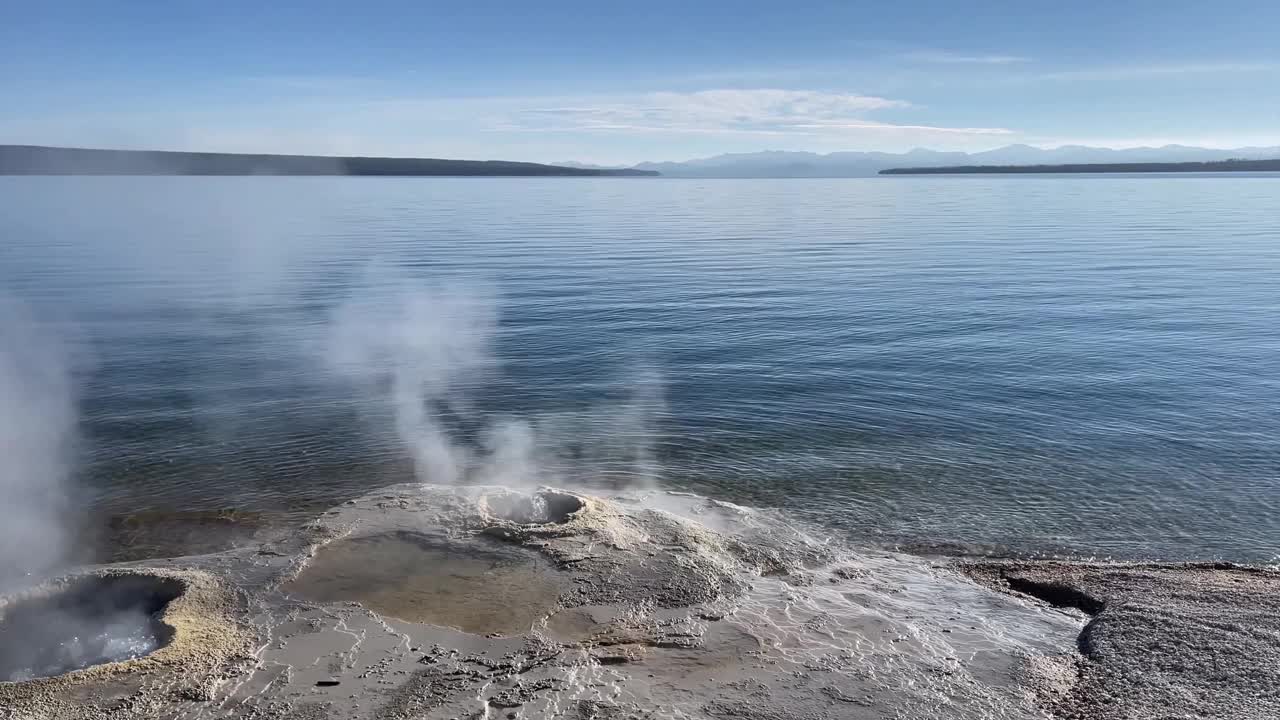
1176	153
568	81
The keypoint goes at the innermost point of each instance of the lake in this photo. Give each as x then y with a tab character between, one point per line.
1071	365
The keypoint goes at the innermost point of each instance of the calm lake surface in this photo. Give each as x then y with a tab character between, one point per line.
1064	364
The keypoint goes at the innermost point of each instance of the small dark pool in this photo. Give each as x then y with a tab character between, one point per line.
91	621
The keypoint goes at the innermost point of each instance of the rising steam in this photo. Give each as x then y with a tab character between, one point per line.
38	416
418	354
413	348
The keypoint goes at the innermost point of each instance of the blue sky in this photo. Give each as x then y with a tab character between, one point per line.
624	82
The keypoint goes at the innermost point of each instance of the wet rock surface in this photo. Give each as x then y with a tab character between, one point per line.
1162	641
482	588
426	602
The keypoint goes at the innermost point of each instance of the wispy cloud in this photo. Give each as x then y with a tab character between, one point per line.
953	58
615	127
754	112
1126	72
891	127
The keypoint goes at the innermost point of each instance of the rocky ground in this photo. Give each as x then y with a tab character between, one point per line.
1163	641
422	602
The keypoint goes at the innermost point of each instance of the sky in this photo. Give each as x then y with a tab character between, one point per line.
619	83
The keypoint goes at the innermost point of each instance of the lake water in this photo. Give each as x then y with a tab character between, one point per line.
1065	364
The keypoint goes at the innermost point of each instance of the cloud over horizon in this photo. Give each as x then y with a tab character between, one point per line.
485	126
761	111
556	81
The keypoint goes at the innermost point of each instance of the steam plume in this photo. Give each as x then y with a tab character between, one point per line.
38	415
419	352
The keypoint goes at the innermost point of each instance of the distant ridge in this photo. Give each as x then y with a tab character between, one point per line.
1219	166
42	160
779	164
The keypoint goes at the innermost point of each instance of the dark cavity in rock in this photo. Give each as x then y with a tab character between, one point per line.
542	508
90	621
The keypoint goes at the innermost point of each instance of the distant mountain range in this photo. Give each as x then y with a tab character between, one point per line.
1235	165
41	160
861	164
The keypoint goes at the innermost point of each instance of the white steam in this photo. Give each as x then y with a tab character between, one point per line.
418	355
414	349
38	419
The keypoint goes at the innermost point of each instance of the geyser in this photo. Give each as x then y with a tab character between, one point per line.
541	508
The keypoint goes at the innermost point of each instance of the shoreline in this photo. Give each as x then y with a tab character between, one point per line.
37	160
158	534
401	603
